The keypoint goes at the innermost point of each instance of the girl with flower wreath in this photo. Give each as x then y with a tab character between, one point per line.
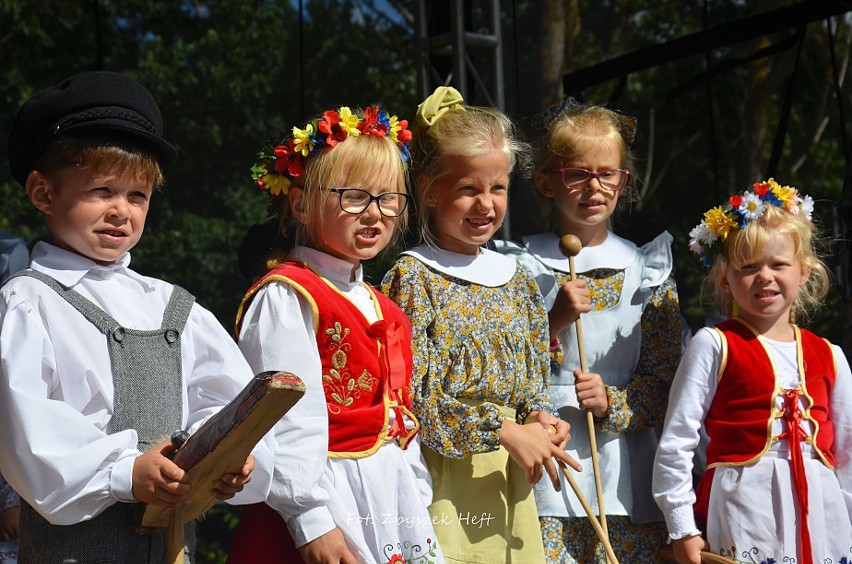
627	299
350	482
481	360
774	398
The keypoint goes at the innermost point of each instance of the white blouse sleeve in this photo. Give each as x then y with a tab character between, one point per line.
277	334
689	401
841	418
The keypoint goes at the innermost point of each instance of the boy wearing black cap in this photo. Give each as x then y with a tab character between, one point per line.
100	363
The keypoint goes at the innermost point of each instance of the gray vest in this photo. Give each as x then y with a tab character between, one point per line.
147	377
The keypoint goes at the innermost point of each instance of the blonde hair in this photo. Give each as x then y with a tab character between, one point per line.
742	246
463	131
573	132
350	163
102	155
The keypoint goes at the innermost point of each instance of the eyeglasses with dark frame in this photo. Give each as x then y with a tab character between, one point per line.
613	180
356	201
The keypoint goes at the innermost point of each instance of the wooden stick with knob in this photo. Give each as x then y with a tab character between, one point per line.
596	525
570	246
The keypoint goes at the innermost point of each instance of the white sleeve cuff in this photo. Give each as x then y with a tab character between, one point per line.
310	525
121	477
681	522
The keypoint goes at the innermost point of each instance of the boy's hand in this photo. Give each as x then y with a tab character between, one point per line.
572	300
9	520
329	548
688	549
231	484
557	430
591	393
159	481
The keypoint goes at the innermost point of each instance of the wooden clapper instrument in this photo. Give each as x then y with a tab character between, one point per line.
221	446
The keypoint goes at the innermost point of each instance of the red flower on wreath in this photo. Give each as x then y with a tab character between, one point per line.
288	160
761	188
330	125
371	123
736	200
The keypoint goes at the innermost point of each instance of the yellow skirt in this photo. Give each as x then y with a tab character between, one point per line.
482	508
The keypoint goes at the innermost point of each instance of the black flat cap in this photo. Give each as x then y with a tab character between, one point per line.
88	103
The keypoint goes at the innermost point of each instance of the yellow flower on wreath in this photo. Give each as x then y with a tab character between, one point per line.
302	140
395	128
349	121
276	183
787	194
719	222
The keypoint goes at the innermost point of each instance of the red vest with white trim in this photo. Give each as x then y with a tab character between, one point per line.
366	368
739	422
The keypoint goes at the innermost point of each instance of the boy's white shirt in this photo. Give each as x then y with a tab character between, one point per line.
55	445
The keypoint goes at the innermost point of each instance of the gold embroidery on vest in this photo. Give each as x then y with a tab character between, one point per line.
343	388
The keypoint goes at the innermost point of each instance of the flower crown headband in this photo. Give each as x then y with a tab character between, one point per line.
278	165
742	208
570	106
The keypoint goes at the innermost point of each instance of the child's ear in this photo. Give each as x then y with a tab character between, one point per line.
40	191
542	184
296	196
806	274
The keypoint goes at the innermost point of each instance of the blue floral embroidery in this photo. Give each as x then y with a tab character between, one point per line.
751	556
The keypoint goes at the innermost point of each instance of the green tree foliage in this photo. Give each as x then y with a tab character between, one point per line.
228	75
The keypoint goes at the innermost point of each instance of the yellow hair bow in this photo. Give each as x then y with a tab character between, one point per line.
443	99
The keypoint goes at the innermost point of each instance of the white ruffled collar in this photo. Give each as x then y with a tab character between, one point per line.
488	268
615	253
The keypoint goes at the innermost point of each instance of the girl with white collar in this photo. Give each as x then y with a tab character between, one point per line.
631	327
480	344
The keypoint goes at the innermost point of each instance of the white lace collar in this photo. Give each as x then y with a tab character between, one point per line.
614	252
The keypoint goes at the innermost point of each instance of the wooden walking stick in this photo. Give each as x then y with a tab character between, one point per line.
570	246
596	525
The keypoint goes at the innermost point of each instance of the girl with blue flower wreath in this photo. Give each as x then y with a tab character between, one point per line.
350	482
481	359
774	398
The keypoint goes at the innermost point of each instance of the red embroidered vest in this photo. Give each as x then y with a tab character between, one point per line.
739	422
366	368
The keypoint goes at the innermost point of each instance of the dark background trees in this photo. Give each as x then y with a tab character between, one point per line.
230	74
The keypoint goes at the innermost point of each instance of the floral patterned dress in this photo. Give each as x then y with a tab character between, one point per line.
632	338
480	344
